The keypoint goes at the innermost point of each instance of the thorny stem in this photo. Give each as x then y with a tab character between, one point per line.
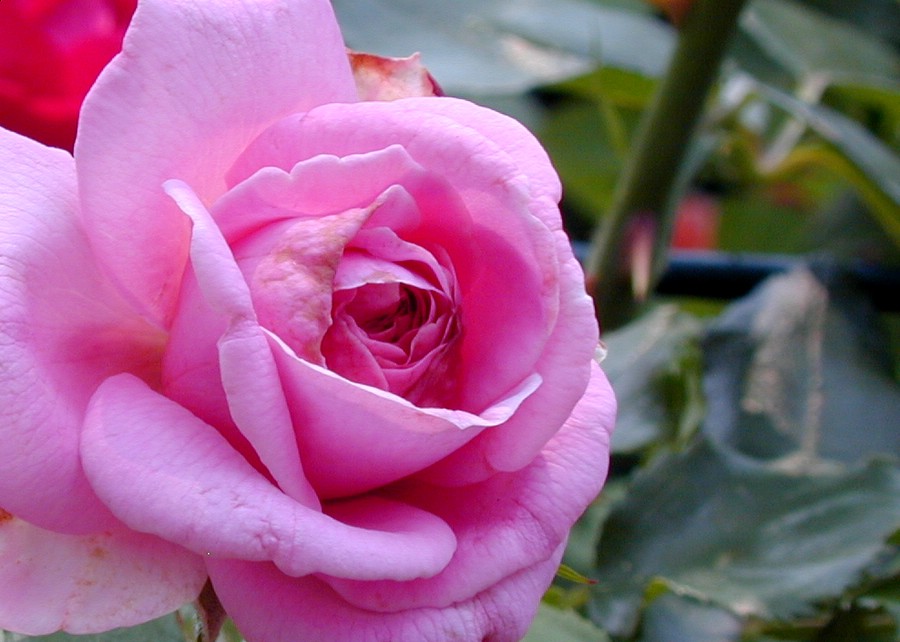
644	192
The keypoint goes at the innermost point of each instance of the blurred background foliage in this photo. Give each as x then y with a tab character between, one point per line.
755	489
807	106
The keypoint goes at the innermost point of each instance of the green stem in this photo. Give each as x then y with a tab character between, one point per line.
646	184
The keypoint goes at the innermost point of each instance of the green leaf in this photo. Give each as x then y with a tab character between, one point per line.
164	629
876	105
742	534
588	135
881	17
506	46
875	161
751	224
653	365
614	38
671	617
797	373
807	42
555	625
620	87
886	595
585	154
581	550
860	623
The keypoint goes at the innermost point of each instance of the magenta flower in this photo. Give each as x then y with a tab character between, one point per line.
50	54
336	355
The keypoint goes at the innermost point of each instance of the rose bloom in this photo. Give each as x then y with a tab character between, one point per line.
50	54
333	354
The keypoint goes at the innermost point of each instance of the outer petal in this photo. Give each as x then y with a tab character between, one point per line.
268	606
512	520
187	485
89	583
511	532
564	367
575	335
513	138
63	330
195	83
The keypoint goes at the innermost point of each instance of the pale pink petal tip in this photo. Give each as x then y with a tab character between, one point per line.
89	583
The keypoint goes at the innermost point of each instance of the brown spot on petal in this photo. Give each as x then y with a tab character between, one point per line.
4	516
98	553
381	78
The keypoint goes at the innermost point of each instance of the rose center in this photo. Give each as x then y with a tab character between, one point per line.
394	335
386	311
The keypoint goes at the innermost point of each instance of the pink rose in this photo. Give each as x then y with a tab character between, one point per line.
334	354
50	54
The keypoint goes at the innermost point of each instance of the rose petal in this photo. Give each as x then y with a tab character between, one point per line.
359	268
289	231
249	377
191	375
565	365
357	437
318	186
290	267
514	139
89	583
510	521
349	354
187	485
217	273
63	329
267	605
565	369
184	110
380	78
474	202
